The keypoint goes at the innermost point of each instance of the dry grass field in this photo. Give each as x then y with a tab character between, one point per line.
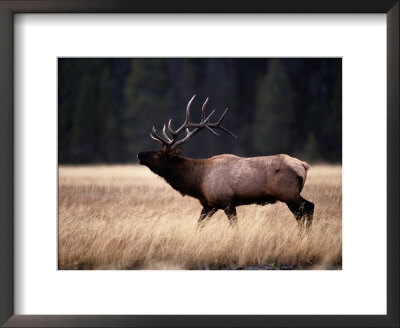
125	217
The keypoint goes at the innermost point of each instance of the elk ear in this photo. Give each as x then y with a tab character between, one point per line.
176	151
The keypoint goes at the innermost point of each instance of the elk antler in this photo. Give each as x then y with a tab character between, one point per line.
169	143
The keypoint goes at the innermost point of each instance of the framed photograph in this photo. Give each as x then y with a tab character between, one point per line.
199	163
209	209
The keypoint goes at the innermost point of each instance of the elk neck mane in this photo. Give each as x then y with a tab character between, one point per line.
185	175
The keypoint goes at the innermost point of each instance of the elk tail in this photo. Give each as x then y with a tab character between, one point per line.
306	166
304	177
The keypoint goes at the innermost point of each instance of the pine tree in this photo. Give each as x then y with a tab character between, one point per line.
311	150
107	111
84	122
145	95
274	112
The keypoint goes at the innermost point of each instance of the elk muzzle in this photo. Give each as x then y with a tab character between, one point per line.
140	158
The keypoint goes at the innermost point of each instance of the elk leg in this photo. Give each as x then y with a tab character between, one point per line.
309	211
230	212
303	212
206	212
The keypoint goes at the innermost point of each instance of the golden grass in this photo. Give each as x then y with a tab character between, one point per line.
125	217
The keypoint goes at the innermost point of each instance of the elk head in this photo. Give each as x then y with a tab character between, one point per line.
157	160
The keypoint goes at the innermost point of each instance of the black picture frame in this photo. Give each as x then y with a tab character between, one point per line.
10	7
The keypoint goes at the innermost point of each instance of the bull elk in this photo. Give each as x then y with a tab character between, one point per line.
226	181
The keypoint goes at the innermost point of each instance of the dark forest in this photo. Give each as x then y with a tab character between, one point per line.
107	106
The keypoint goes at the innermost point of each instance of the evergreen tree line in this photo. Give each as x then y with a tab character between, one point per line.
107	107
